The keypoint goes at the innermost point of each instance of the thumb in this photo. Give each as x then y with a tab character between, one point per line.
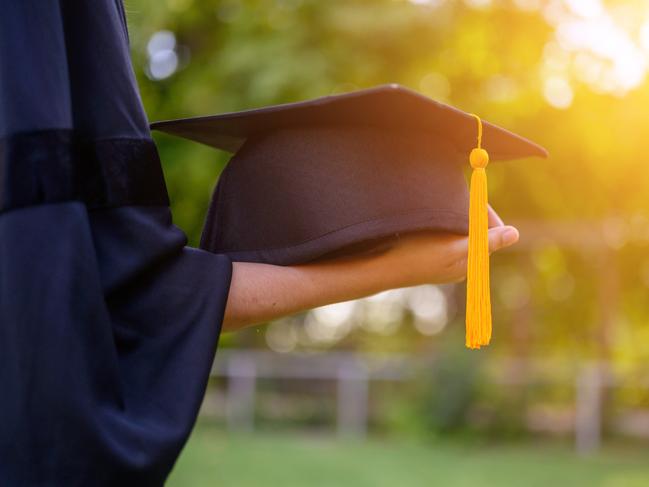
502	237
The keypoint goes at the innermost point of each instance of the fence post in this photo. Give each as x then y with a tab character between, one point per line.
588	409
353	401
240	400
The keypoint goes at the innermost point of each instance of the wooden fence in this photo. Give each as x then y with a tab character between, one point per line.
355	373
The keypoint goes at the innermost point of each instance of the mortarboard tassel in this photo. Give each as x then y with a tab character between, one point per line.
478	299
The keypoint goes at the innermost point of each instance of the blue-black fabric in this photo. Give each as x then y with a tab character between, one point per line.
108	321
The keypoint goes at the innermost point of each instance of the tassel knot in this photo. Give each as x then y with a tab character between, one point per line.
479	158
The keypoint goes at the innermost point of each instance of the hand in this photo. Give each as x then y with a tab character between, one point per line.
431	257
263	292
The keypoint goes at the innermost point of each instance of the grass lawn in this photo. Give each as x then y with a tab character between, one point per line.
215	458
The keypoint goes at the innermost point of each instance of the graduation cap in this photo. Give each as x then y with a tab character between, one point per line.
345	173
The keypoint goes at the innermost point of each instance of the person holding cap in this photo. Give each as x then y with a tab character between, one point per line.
108	321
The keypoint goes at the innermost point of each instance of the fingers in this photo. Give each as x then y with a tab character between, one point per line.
501	237
494	219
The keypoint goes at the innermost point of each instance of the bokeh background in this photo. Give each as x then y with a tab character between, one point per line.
381	391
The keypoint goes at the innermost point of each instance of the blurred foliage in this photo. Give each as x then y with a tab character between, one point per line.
509	60
449	392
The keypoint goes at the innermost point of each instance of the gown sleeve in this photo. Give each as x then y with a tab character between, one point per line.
108	321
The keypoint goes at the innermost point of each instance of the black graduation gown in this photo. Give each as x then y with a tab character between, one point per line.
108	322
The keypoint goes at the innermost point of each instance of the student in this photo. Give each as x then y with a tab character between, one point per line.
108	322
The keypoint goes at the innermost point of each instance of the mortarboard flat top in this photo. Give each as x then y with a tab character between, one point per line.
385	106
340	173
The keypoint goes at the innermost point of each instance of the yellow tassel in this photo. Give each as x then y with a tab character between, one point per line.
478	299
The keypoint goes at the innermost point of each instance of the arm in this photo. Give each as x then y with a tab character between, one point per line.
262	292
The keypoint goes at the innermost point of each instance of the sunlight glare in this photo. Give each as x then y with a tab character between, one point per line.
644	36
557	92
586	8
600	51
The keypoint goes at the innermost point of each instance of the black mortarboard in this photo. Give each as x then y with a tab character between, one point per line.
324	176
342	174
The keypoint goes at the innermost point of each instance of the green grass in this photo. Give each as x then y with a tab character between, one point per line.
215	458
